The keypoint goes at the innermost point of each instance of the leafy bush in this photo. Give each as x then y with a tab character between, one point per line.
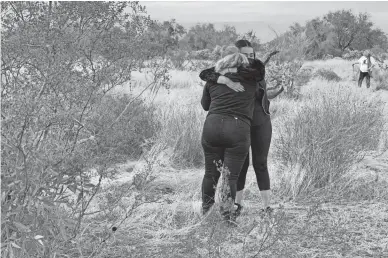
303	76
380	77
384	56
377	51
284	74
352	55
58	123
126	137
323	139
217	51
205	54
179	58
327	57
199	65
327	75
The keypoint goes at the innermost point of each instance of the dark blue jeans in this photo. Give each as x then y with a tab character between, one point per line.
227	139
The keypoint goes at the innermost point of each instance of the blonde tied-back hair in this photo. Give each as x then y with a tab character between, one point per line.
231	57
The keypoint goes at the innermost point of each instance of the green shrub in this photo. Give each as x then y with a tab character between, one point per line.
179	58
126	137
56	118
323	139
303	76
49	193
327	75
380	77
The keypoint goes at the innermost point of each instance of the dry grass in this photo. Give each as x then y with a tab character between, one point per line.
341	67
325	136
329	122
182	130
172	227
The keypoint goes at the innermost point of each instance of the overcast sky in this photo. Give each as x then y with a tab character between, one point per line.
257	15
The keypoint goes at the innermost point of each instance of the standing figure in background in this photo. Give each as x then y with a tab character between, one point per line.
366	62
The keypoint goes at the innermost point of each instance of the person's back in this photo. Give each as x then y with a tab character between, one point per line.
218	99
225	101
226	131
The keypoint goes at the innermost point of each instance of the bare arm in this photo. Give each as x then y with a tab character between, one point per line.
269	57
272	95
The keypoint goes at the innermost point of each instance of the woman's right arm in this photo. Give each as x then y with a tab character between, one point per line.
269	57
256	71
210	75
272	95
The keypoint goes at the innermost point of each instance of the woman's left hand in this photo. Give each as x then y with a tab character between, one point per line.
236	86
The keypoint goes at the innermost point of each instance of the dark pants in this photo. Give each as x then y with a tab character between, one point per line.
361	78
226	139
260	143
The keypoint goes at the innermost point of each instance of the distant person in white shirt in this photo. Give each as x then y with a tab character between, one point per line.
366	63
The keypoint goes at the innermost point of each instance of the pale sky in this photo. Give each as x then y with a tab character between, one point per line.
257	15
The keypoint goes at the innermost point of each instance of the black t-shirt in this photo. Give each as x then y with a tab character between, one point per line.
219	99
256	72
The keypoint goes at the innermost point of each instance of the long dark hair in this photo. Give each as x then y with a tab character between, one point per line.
242	43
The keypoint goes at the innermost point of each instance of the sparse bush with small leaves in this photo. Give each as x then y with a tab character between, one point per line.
380	77
179	58
303	76
59	62
127	137
327	75
284	74
352	55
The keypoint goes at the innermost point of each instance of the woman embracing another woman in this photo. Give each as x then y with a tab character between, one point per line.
226	133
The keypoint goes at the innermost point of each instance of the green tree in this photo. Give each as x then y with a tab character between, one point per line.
251	37
59	61
319	39
201	36
205	36
372	38
226	36
164	36
296	29
347	27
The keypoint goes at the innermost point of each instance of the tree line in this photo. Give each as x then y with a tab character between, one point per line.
332	34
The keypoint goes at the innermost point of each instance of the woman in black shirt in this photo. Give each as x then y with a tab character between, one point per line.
226	132
261	126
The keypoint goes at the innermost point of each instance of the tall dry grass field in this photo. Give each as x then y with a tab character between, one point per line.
320	141
151	208
318	144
